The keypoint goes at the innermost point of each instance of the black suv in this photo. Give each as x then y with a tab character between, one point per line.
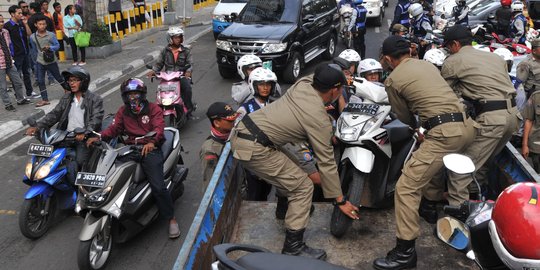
290	33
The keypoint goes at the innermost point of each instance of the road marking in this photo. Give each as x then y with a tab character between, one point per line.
377	30
389	22
8	212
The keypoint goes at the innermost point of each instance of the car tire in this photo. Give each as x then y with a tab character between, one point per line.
226	73
293	69
331	47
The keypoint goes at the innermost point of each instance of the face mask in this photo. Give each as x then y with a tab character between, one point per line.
135	103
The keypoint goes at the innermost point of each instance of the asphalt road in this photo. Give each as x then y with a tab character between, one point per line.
151	249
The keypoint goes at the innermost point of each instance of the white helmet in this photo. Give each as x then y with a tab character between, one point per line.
460	2
370	65
505	53
435	56
416	9
483	48
245	62
259	75
517	6
351	56
174	31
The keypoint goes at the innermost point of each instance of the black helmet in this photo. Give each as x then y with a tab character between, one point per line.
132	85
80	73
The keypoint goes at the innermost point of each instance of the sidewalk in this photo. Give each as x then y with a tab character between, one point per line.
137	51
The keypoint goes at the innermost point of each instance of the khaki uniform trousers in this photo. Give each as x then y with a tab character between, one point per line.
489	142
425	163
277	169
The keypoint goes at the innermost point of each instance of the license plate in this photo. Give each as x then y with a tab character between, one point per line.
166	88
41	150
90	179
362	108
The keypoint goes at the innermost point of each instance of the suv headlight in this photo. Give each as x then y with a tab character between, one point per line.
220	18
223	45
274	47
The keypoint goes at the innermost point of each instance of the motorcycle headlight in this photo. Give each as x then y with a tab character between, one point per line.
220	18
167	101
352	133
98	196
45	169
274	47
223	45
28	169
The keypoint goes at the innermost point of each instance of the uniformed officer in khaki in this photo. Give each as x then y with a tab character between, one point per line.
297	116
528	70
416	87
222	117
482	79
531	130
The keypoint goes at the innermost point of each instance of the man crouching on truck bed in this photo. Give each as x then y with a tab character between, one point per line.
298	116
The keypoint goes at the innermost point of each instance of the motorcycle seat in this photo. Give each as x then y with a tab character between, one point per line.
167	145
398	131
265	260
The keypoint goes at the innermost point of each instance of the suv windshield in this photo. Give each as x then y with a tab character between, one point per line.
268	11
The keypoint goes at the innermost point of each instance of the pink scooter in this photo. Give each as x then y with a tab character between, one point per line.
168	97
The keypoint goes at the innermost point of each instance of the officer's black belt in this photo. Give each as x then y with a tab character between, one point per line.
441	119
482	106
257	135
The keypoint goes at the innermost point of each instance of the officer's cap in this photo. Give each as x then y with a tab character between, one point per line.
221	110
398	28
393	44
328	76
457	32
535	43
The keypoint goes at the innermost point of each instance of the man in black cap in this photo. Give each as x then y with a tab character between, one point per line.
416	86
298	116
222	117
481	78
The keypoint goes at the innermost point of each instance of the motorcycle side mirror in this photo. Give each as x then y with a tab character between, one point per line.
454	233
491	17
458	163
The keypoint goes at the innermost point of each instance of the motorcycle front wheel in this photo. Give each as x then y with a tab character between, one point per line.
36	216
169	120
340	223
94	253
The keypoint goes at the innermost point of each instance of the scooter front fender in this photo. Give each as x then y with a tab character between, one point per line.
92	226
39	188
361	158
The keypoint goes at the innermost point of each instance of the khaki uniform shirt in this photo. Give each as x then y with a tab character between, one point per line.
532	112
209	155
528	71
300	116
416	86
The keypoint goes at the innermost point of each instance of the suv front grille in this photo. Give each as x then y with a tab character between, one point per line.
247	47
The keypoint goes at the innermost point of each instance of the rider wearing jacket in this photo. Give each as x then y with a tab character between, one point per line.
79	110
460	12
401	14
137	118
359	17
503	15
177	57
518	26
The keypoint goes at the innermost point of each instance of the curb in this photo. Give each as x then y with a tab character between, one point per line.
14	125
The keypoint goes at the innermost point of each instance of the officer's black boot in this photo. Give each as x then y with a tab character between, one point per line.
294	245
403	256
428	210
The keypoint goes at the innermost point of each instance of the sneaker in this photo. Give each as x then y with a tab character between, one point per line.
42	103
174	231
82	63
24	102
34	95
10	108
75	63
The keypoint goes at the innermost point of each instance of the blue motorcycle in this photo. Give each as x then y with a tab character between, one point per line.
45	173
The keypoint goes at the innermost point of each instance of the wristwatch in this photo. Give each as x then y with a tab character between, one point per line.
343	201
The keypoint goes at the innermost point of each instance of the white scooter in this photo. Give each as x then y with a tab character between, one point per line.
376	147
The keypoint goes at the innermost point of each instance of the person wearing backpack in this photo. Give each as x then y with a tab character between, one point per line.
46	44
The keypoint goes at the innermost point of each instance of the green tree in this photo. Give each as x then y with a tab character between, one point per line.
89	12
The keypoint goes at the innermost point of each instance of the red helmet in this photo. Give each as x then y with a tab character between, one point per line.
506	3
515	225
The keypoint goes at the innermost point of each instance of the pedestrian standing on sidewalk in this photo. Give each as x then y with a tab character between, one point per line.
36	12
44	5
58	18
116	6
72	25
44	44
25	9
18	32
7	68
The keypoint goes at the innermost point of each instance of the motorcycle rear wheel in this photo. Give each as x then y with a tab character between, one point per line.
340	223
94	254
34	218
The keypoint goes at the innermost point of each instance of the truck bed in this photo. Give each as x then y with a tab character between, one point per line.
370	237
